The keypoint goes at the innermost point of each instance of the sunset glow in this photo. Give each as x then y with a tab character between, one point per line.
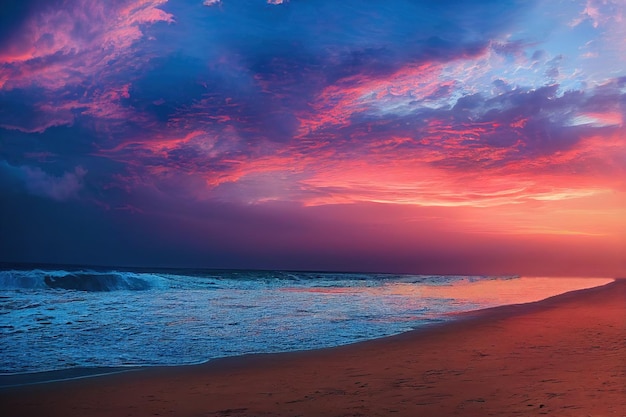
423	137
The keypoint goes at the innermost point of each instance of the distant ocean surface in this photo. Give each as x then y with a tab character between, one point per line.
61	318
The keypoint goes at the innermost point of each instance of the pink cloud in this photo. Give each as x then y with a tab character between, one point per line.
62	47
57	47
600	13
598	119
337	103
157	144
103	104
314	174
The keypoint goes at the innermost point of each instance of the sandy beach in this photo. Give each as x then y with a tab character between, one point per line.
565	356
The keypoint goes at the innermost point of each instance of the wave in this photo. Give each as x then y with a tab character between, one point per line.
90	281
114	280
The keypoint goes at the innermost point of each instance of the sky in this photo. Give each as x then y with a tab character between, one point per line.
447	137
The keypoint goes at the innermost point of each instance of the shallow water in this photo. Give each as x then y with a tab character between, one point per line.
57	319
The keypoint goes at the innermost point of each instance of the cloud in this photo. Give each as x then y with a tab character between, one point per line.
347	121
57	46
69	60
38	182
599	13
514	147
24	112
75	60
279	109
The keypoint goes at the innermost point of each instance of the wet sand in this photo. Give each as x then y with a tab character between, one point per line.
565	356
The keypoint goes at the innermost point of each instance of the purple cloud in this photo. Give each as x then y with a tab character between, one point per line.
201	114
38	182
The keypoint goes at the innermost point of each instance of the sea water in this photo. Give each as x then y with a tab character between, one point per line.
56	318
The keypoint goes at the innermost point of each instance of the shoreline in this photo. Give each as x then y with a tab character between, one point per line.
563	356
24	379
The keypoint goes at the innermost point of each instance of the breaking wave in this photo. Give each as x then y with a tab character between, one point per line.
104	281
90	281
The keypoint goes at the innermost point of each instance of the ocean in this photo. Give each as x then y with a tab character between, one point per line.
59	318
